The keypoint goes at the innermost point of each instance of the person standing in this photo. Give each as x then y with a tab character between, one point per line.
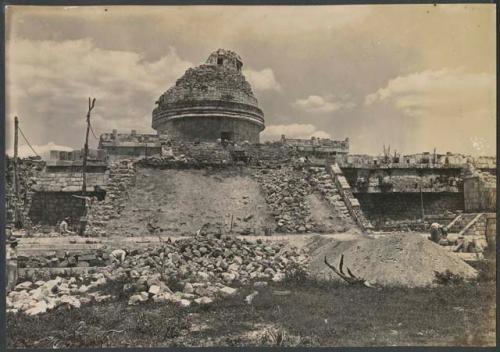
11	258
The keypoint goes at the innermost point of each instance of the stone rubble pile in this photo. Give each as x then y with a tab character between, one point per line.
63	259
175	161
203	268
285	191
38	297
195	270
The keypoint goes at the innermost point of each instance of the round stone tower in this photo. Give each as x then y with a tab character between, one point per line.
209	102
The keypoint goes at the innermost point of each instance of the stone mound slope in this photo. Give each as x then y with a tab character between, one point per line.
394	260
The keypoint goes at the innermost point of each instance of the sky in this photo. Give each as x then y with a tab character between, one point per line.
415	77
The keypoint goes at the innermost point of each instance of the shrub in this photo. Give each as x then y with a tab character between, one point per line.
447	278
295	273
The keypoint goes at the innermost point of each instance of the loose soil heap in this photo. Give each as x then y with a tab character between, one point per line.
394	260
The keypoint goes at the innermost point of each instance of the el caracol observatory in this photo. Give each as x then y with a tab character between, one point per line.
209	102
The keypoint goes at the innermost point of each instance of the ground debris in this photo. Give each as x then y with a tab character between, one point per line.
202	268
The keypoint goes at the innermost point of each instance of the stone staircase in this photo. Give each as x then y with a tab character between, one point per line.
322	183
333	186
347	196
459	222
475	227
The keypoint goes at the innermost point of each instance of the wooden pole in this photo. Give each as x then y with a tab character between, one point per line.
16	172
421	200
86	149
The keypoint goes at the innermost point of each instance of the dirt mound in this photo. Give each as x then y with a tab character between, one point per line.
394	260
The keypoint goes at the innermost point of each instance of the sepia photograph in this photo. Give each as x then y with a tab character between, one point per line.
250	176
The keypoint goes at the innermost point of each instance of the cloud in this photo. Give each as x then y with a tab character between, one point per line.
294	130
262	80
320	104
451	108
25	151
423	93
48	84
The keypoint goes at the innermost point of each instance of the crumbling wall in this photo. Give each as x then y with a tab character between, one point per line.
53	191
382	208
285	190
28	170
121	179
304	199
202	152
119	152
403	179
480	192
188	154
207	103
269	154
69	181
491	229
49	208
209	82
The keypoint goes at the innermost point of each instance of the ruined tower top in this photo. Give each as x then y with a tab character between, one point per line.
225	58
212	101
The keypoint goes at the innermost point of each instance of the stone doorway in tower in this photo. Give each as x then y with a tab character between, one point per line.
226	136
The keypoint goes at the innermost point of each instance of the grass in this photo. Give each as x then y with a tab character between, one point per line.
312	314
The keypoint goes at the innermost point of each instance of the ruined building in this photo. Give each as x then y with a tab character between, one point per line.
210	102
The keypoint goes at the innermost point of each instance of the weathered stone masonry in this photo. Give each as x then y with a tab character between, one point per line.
212	101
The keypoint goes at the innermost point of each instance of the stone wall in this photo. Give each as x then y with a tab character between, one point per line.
407	179
49	208
210	128
491	229
121	179
46	195
387	207
28	170
209	100
210	82
69	181
270	155
480	192
119	152
200	154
